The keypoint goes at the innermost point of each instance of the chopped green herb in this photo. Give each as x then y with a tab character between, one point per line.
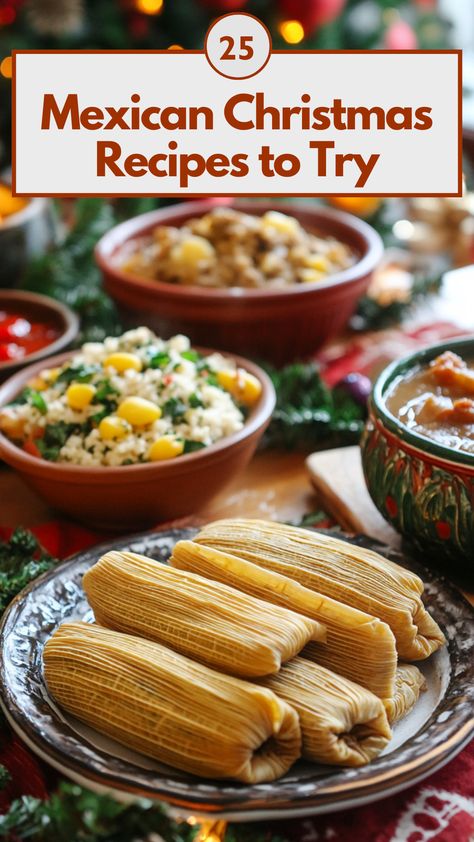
190	446
192	356
36	399
104	390
195	401
174	408
212	379
78	374
20	399
54	438
159	360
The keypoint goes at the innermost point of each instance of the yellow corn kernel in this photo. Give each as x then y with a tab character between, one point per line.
280	222
311	276
192	250
121	360
318	262
227	379
37	383
165	447
79	395
112	427
51	375
244	387
138	411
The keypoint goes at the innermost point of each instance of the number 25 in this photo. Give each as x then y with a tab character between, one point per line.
246	51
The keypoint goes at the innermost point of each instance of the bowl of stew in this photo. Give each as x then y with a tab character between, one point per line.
418	449
32	327
271	281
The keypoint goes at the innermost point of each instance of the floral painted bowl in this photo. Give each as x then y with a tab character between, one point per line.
423	489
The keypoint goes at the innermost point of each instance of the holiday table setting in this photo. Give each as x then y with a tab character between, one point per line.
125	441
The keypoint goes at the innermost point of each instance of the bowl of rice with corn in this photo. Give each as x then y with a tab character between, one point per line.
271	281
135	429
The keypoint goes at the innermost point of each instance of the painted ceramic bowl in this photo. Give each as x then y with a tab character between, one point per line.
132	496
423	489
277	325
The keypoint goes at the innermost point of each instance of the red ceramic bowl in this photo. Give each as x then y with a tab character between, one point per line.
274	325
137	496
43	309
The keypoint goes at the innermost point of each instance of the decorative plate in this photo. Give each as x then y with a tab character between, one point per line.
436	730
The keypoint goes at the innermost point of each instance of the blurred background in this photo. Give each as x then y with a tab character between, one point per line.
47	247
175	24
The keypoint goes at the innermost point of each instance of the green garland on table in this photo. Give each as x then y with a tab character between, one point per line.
308	414
22	559
69	274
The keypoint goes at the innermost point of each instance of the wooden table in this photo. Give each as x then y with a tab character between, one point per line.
274	485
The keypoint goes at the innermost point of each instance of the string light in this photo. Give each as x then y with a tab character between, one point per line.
6	67
175	47
149	7
292	31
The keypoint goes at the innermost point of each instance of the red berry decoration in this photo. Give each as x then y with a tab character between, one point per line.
400	36
356	386
311	13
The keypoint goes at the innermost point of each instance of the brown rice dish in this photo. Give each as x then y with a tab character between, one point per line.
228	248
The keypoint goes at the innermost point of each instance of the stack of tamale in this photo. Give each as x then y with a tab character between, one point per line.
315	623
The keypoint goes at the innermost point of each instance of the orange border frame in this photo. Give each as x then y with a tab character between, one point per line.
181	195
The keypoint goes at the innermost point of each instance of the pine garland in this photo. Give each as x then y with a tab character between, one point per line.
308	414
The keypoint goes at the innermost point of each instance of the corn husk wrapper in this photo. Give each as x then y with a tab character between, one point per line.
343	571
357	646
169	707
341	723
409	683
205	620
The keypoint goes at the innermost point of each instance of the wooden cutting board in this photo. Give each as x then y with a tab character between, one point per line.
339	483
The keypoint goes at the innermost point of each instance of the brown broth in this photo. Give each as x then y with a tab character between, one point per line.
437	401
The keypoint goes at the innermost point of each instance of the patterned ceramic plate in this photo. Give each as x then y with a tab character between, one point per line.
438	728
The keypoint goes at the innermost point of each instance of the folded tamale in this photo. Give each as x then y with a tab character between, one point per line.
344	571
358	646
208	621
409	683
169	707
341	722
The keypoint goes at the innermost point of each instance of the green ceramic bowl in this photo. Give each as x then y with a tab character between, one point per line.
423	489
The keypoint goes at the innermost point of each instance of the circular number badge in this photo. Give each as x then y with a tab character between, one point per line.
238	46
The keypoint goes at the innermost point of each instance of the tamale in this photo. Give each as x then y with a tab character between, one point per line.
169	707
409	683
344	571
358	646
205	620
341	723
